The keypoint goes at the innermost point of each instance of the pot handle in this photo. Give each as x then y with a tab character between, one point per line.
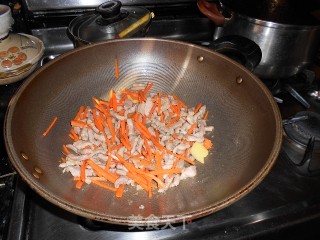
240	49
211	11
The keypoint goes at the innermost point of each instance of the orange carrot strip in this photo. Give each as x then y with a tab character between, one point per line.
166	171
65	149
50	126
76	123
97	121
147	88
100	171
197	108
102	110
110	125
158	157
179	108
153	108
119	191
83	170
78	116
159	103
104	185
132	95
162	118
97	101
142	161
125	142
138	180
207	143
113	100
79	184
132	172
157	135
71	136
116	66
141	96
142	128
184	158
85	112
206	116
190	131
74	134
108	163
158	180
146	144
175	136
173	108
172	121
179	101
123	127
107	141
116	147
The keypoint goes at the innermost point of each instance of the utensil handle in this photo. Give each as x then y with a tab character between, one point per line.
240	49
211	11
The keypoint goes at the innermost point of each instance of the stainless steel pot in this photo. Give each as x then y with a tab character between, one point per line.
288	37
110	20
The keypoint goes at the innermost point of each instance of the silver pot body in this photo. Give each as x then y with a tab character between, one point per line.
286	49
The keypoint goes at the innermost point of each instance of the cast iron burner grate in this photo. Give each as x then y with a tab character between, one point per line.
302	131
302	142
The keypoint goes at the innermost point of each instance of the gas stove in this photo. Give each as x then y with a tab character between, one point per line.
286	204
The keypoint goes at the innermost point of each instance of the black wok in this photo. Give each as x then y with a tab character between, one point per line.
247	135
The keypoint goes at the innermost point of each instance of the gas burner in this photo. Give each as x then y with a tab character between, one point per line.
302	142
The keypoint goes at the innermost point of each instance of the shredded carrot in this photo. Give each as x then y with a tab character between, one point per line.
110	125
76	123
153	108
80	112
190	131
100	171
50	126
79	184
85	112
179	101
104	185
184	158
166	171
207	143
83	170
197	108
145	169
162	118
147	88
71	136
172	121
119	191
74	135
206	116
159	103
65	149
102	109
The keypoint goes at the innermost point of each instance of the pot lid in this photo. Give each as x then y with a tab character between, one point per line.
18	53
294	12
110	20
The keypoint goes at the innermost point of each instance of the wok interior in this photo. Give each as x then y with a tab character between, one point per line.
245	136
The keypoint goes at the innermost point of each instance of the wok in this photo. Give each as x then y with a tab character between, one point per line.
247	135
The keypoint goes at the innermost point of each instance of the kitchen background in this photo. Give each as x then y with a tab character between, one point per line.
285	205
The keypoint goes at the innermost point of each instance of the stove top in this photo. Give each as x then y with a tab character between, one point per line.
285	204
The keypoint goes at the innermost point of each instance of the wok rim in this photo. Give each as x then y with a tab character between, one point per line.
39	188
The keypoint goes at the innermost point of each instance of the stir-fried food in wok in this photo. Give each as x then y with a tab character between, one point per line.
140	138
